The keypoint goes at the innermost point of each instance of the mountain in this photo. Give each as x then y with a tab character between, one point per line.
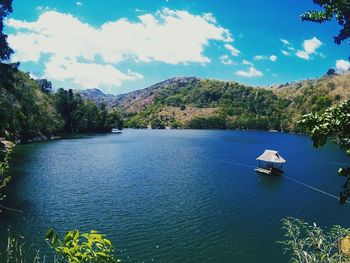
191	102
136	100
98	96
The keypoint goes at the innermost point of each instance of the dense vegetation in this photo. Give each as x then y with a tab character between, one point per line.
210	104
236	106
74	247
30	109
5	152
311	244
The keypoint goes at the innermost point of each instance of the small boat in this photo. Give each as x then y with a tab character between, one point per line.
270	163
116	131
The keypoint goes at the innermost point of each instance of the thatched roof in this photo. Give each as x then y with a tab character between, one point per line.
271	157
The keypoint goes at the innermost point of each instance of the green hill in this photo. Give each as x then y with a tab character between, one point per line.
203	103
30	109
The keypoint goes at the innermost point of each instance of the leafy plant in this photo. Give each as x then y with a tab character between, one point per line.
311	244
4	166
76	247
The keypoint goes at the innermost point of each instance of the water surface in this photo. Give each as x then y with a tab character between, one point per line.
173	195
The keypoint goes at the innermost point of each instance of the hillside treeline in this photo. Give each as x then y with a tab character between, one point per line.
31	109
211	104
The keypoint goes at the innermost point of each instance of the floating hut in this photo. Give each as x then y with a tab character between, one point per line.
270	162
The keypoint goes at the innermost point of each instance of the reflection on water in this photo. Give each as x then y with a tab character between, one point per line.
270	182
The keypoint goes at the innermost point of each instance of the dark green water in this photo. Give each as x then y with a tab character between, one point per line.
171	196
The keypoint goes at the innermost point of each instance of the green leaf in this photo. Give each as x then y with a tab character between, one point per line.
50	233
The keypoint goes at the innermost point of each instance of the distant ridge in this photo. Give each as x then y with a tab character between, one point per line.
192	102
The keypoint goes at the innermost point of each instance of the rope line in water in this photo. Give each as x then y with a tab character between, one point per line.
285	176
236	164
347	164
313	188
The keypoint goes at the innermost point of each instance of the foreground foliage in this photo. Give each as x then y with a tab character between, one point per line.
75	247
311	244
5	153
333	124
16	252
85	247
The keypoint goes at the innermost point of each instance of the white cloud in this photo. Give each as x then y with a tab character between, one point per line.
209	17
88	75
287	45
309	47
26	46
302	54
226	60
167	36
286	53
33	75
342	65
154	38
234	51
252	72
42	8
259	57
285	41
246	62
78	3
273	58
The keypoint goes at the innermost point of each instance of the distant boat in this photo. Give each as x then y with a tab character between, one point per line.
271	163
116	131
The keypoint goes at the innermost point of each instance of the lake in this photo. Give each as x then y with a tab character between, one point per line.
174	195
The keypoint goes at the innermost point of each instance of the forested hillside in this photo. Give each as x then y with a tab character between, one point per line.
202	103
31	110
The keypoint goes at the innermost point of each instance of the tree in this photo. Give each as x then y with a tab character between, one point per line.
5	10
333	123
340	9
45	85
114	120
331	72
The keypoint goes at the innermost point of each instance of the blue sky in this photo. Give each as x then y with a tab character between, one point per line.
120	46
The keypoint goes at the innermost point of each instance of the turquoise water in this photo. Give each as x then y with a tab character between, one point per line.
173	195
